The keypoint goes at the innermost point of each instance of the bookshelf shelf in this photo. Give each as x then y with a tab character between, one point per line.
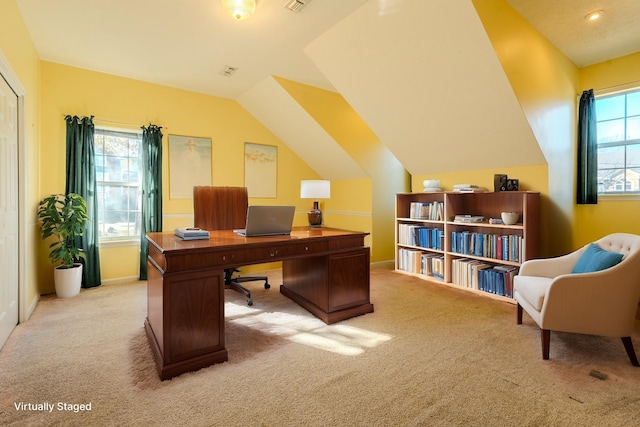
422	248
486	225
481	257
426	221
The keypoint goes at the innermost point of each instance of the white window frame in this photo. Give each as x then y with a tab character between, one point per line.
620	194
130	240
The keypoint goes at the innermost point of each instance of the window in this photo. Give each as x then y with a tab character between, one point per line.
119	183
618	129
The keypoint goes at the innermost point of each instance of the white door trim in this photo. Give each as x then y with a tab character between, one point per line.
24	308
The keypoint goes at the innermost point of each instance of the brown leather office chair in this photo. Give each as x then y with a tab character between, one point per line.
224	208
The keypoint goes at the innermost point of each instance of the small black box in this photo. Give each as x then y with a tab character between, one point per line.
513	185
499	182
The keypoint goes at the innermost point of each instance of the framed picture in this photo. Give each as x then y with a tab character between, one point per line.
260	169
189	165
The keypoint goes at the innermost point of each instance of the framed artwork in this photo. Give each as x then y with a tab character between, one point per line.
260	167
189	165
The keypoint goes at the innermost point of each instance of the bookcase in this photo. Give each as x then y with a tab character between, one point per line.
458	238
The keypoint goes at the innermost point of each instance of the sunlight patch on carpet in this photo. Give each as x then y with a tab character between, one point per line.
310	331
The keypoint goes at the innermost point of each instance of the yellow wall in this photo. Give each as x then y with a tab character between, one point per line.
547	86
116	102
544	82
616	74
345	211
611	214
23	59
367	205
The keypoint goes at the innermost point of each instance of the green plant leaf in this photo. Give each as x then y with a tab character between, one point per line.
63	218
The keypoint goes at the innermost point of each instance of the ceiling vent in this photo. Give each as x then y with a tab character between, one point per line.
296	5
228	70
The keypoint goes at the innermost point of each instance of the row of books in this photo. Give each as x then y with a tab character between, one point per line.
416	261
427	210
502	247
419	235
474	274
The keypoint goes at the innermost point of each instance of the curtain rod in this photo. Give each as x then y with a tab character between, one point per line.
117	123
139	126
621	86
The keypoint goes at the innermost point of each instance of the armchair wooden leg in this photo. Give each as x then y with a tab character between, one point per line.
519	315
628	345
545	335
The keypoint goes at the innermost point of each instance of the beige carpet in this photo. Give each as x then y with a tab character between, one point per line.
429	355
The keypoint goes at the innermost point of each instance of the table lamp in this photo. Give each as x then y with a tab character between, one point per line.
315	189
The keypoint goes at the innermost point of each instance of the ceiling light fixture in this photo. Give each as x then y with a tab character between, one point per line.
239	9
594	15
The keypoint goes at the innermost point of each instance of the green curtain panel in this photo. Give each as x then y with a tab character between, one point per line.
151	189
81	179
587	182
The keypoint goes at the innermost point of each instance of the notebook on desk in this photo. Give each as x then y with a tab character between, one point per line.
268	221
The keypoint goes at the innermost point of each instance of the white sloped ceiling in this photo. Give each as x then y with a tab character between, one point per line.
281	114
424	76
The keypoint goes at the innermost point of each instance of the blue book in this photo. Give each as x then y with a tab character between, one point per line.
505	247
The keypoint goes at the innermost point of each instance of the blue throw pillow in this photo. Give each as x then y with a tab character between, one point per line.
595	259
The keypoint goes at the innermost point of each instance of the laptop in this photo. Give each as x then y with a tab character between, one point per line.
268	221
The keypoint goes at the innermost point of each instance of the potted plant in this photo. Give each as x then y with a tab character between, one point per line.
64	217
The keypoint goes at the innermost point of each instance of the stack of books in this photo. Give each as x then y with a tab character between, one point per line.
468	188
468	218
191	233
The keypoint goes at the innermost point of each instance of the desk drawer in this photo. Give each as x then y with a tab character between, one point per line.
221	259
248	254
260	255
275	253
197	261
312	248
158	258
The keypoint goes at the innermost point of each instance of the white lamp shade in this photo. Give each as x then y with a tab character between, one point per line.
315	189
239	9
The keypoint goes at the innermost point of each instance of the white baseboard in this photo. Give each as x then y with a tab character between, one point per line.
385	264
30	308
120	280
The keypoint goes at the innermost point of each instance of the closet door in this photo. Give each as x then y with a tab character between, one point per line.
8	210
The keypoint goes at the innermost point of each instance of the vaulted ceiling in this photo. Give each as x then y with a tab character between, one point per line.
585	42
422	74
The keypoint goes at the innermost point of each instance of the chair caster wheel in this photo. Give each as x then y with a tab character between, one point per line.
249	302
267	286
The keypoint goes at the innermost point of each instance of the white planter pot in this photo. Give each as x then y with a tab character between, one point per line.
68	280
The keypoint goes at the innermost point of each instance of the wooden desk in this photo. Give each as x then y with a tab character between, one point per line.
324	270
